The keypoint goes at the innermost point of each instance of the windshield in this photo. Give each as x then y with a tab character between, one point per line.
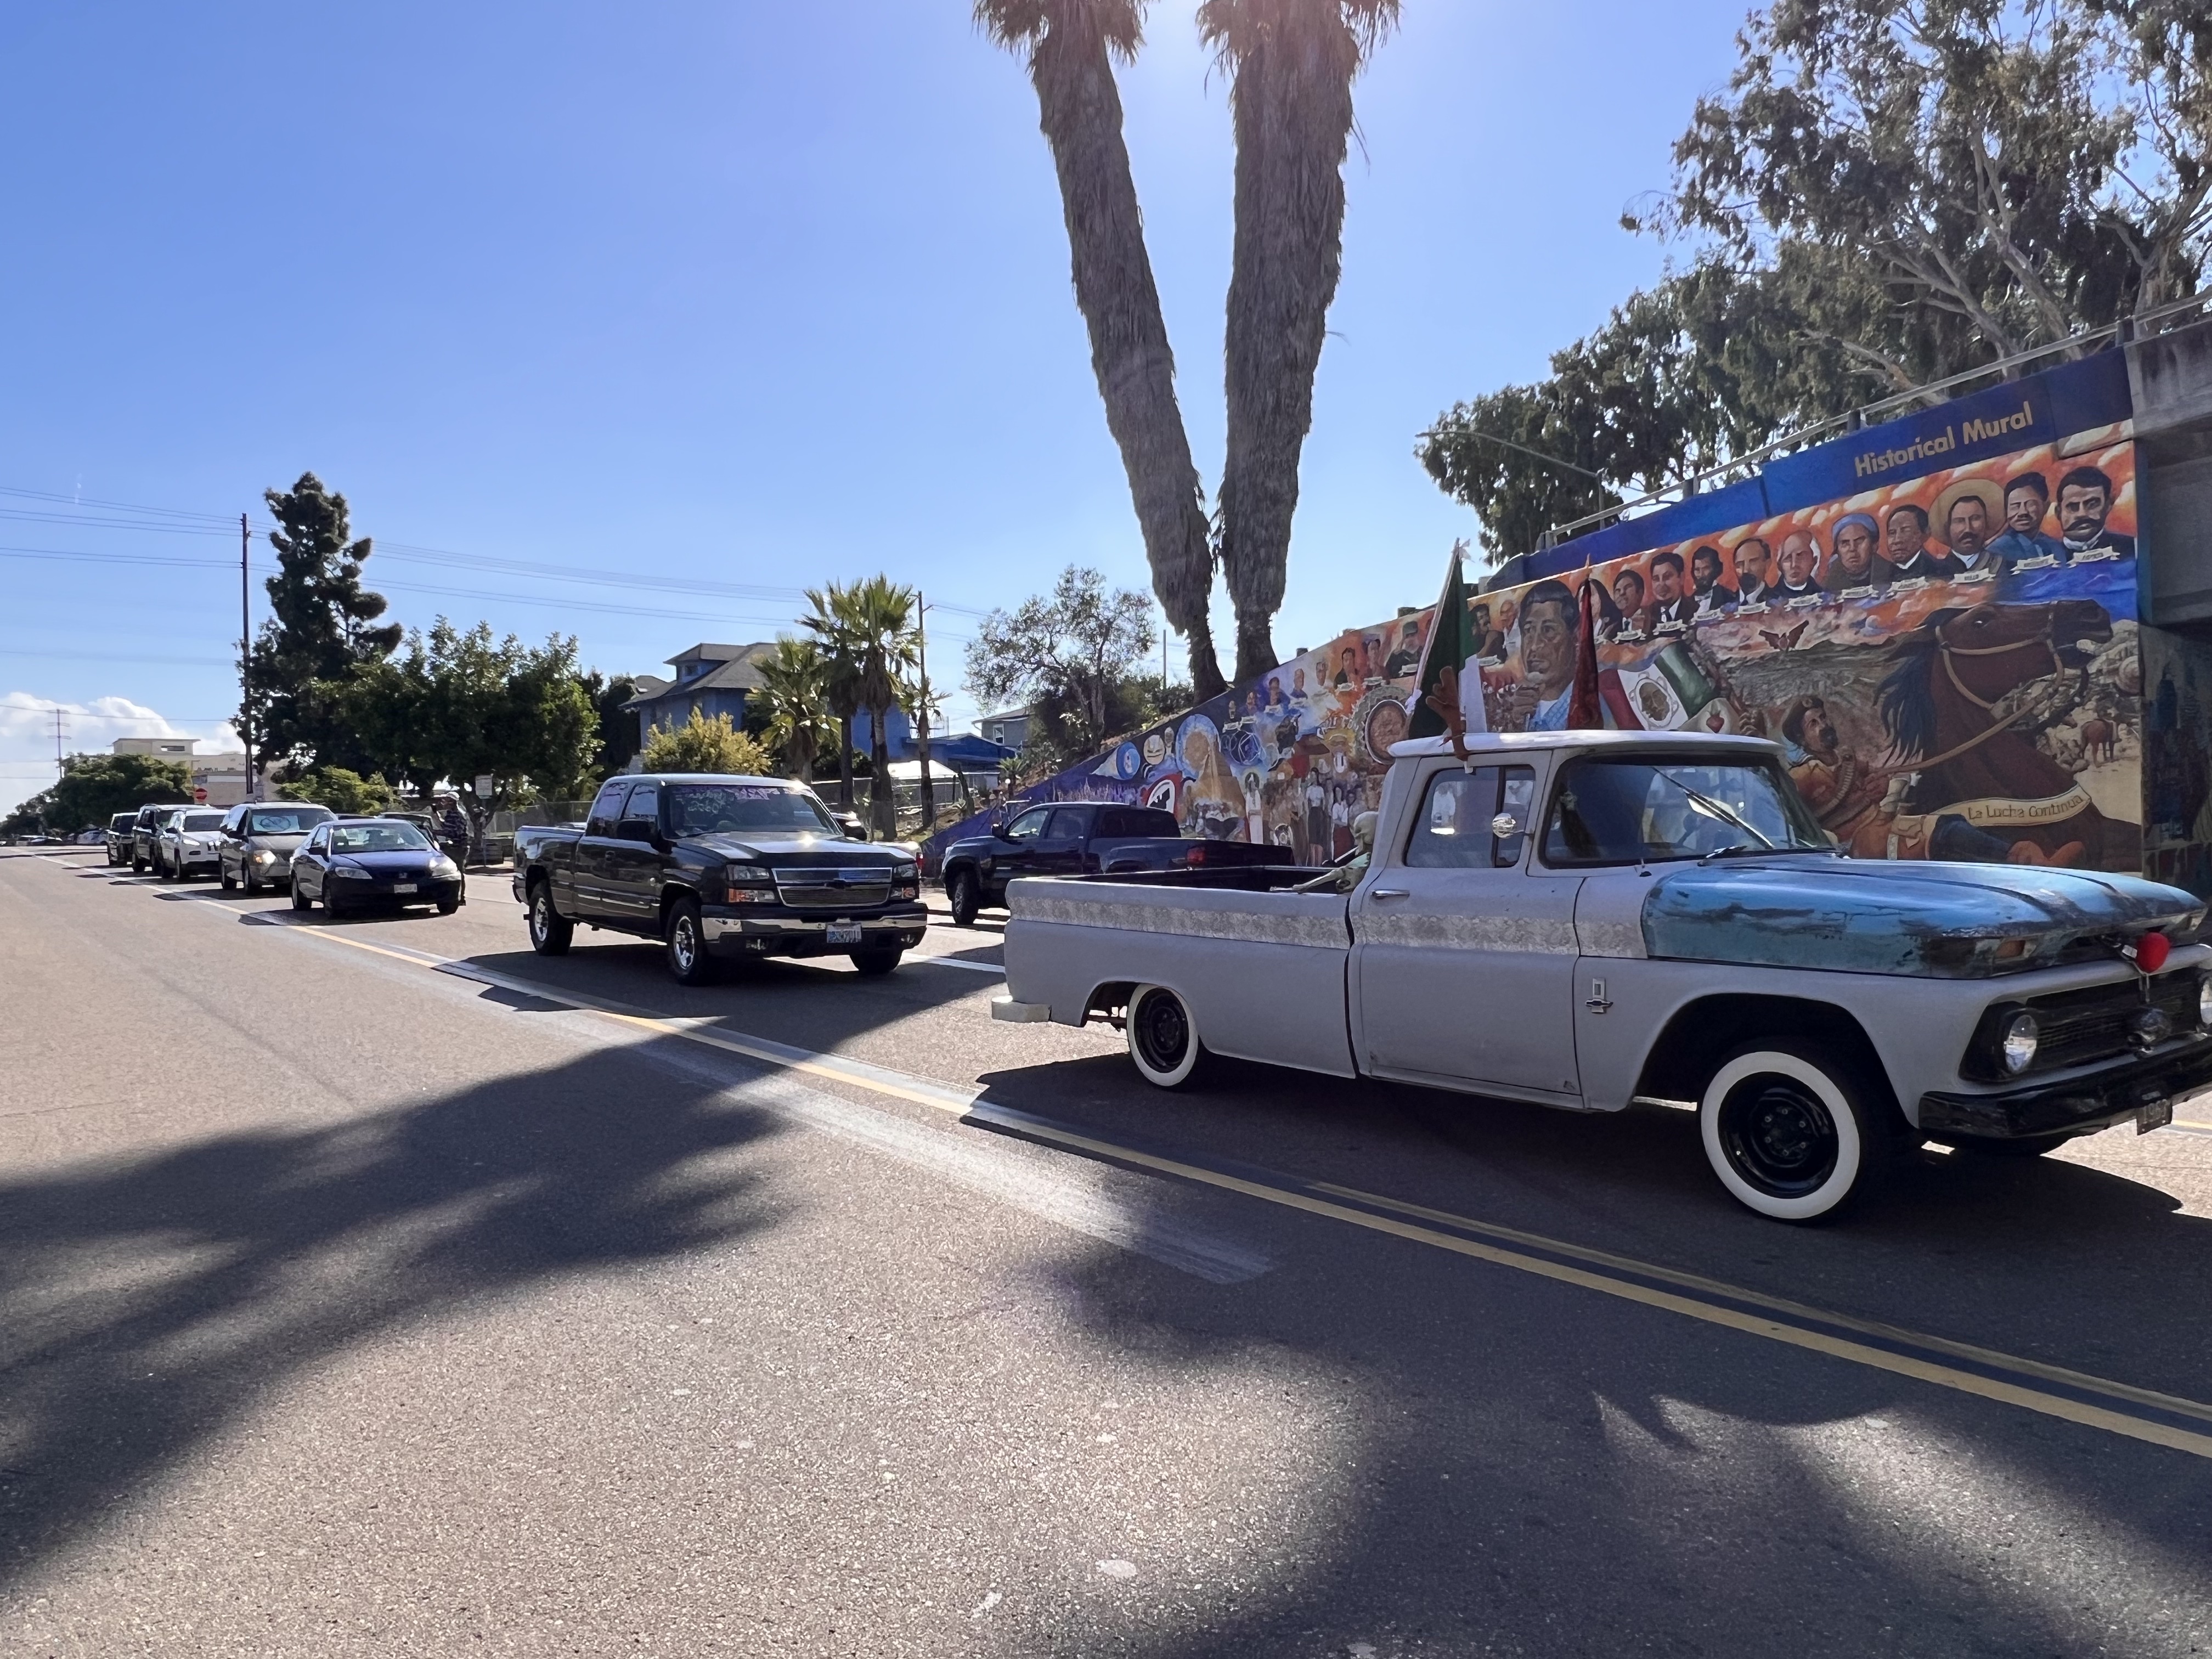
202	821
1649	809
387	836
286	821
716	809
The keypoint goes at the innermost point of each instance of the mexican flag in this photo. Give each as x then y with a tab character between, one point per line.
1451	650
1666	692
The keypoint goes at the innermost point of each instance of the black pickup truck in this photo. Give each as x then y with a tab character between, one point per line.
719	868
1082	837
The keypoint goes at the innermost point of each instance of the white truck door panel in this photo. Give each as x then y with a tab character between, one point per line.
1464	959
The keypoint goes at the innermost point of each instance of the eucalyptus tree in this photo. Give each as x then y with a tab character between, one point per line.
1291	64
794	696
1071	47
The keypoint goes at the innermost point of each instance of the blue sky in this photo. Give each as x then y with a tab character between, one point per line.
736	294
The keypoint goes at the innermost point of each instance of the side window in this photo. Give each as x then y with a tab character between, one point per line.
321	840
606	808
1030	825
233	820
644	805
1476	820
1067	824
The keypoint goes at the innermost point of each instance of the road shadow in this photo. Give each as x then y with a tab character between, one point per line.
227	1266
1504	1464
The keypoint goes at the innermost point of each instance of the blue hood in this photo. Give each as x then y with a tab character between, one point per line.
1876	916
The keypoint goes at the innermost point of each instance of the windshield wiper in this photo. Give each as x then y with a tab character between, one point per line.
1712	808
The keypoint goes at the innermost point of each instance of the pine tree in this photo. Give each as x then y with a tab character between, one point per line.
324	629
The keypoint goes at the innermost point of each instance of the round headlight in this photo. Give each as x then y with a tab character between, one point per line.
2204	1000
2018	1046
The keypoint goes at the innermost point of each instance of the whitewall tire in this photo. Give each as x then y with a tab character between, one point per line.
1163	1036
1788	1130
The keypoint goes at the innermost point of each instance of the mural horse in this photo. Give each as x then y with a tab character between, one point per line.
1973	787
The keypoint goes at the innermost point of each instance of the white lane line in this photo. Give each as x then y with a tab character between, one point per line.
955	962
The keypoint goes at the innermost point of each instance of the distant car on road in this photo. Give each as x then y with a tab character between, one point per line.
718	867
118	837
1084	838
89	837
259	838
350	864
145	826
188	843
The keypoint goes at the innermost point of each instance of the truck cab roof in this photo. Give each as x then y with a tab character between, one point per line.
1509	743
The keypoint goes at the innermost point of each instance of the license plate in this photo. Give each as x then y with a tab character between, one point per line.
845	935
2154	1117
403	886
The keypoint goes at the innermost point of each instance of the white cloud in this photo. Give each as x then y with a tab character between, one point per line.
27	736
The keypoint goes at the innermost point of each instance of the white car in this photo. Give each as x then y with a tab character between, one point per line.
188	843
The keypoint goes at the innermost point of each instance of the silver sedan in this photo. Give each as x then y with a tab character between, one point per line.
258	840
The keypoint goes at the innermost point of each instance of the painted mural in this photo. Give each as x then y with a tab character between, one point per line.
1950	661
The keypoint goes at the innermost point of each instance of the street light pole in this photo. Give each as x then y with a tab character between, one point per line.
245	652
921	711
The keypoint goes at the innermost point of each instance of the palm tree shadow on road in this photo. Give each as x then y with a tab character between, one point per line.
493	1190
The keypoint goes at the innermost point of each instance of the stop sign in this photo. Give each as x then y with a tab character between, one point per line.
199	794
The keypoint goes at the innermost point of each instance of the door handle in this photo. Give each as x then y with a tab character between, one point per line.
1388	892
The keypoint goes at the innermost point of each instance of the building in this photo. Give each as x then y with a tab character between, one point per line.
1009	728
219	780
721	679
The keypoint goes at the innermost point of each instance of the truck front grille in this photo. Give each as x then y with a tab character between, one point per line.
829	889
2080	1028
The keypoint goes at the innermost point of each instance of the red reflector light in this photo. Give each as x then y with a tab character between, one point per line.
2151	952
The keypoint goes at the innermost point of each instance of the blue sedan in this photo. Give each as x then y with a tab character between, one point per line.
350	864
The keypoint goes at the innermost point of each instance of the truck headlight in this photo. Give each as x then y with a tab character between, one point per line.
2204	1000
2016	1047
751	885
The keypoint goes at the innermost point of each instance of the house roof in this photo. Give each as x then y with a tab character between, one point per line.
737	667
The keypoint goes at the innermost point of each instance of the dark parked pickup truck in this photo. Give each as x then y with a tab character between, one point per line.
1082	837
719	868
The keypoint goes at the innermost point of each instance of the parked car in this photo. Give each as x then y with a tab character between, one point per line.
720	868
89	837
350	864
188	843
1075	838
145	826
1593	920
259	838
118	837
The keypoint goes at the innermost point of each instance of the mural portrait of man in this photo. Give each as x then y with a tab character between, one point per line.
1907	536
1968	513
2026	504
1754	571
2085	497
1857	564
1800	564
1670	606
1540	702
1708	592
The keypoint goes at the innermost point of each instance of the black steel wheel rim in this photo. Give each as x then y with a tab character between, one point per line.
1163	1030
1779	1135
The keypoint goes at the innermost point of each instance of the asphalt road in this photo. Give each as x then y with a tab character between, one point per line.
380	1288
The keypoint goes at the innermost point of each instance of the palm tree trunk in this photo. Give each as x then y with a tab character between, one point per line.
883	797
1080	112
1294	62
845	760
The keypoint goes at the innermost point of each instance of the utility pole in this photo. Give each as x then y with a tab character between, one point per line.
921	711
246	653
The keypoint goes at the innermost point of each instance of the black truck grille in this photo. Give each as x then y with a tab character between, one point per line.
2099	1022
831	889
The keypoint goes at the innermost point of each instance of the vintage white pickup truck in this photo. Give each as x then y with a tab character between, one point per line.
1591	920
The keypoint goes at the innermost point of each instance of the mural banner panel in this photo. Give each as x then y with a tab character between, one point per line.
1950	661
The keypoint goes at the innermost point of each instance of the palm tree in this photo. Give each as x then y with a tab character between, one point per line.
793	696
869	628
1292	63
840	674
1071	46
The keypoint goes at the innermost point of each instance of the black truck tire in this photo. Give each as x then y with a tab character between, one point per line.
963	895
875	963
550	933
688	961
